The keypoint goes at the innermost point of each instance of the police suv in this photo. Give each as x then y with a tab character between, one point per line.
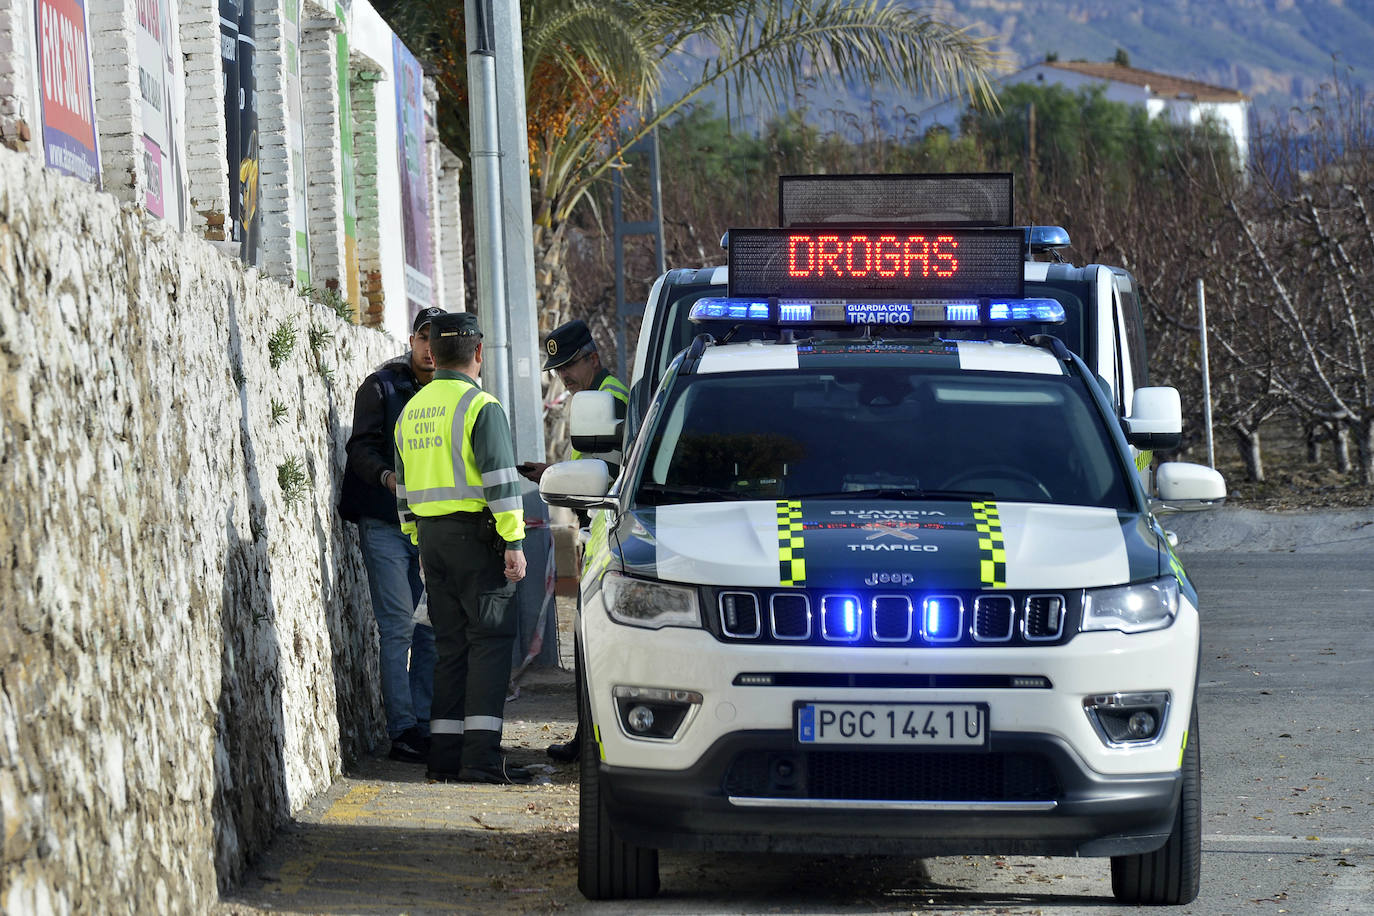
879	576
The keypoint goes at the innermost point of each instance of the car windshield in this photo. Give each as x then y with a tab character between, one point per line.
881	432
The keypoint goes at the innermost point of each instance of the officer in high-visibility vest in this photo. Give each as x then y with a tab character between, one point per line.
458	494
572	354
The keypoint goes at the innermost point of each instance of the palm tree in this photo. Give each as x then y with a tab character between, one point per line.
594	70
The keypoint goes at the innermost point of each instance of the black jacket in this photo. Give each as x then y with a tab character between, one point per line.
372	447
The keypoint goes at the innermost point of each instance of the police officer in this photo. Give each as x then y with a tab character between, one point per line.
573	357
458	495
368	498
572	354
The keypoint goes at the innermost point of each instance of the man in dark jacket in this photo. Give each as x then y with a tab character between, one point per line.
368	498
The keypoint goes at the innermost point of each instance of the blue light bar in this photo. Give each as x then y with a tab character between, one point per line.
1046	238
1022	311
910	312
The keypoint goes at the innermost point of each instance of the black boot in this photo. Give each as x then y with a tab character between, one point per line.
566	753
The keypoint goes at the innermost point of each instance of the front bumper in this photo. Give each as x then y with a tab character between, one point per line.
1049	802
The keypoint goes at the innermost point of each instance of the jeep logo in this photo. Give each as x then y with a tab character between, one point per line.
890	578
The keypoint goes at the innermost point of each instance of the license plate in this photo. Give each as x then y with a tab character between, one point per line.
901	724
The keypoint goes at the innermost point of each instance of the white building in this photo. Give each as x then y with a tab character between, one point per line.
1182	101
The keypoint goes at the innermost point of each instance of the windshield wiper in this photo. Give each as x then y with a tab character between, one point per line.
688	491
899	493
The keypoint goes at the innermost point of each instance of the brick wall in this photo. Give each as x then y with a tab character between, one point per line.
364	86
207	167
323	168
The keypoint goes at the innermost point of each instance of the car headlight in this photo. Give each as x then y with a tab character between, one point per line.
1132	608
642	603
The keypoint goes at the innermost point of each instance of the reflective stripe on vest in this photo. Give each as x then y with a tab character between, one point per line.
433	437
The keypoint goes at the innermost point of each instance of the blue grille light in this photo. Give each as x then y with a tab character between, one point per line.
1048	311
850	611
963	312
942	618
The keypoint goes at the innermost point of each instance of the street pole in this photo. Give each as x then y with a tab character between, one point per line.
486	203
1206	374
517	221
503	222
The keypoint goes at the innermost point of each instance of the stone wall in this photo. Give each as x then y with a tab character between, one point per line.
186	647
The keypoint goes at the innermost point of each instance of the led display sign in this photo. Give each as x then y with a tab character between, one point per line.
962	199
877	261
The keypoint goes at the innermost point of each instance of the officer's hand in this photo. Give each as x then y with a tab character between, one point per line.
532	470
391	482
515	565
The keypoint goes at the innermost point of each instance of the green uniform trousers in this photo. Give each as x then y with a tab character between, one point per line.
474	631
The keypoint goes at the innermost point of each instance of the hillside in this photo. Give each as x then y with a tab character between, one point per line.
1276	51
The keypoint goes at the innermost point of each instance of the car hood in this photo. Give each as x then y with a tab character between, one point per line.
835	543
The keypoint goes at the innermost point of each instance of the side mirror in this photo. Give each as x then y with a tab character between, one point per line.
580	484
1185	487
592	424
1156	420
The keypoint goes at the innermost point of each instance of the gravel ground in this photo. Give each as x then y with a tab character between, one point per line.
385	840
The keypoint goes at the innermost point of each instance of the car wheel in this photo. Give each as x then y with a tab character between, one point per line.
608	868
1170	875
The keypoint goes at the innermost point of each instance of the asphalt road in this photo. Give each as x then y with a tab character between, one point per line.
1287	723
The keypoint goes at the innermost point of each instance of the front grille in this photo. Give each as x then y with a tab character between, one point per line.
994	617
739	614
892	618
1044	617
889	619
893	776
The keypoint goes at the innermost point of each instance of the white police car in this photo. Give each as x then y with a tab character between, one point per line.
869	585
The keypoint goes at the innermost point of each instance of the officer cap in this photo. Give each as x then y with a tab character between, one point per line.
424	317
565	342
454	324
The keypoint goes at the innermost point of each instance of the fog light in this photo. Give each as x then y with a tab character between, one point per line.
1127	719
1139	725
641	718
654	712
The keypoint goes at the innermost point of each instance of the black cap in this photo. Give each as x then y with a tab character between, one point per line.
424	317
565	342
454	324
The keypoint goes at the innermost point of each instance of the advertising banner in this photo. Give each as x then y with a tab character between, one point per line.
295	137
159	84
241	125
68	97
414	173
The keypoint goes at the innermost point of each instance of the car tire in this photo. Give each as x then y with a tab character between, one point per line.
608	868
1170	875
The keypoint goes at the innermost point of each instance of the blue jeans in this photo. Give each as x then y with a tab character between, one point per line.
407	651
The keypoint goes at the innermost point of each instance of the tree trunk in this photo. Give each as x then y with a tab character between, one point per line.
1315	433
1248	442
553	293
1342	447
1365	446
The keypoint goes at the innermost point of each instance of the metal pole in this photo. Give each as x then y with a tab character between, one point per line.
526	404
1206	374
486	192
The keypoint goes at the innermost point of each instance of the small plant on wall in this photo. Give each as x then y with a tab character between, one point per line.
330	298
281	344
292	480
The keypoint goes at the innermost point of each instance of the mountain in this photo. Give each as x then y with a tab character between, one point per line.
1276	51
